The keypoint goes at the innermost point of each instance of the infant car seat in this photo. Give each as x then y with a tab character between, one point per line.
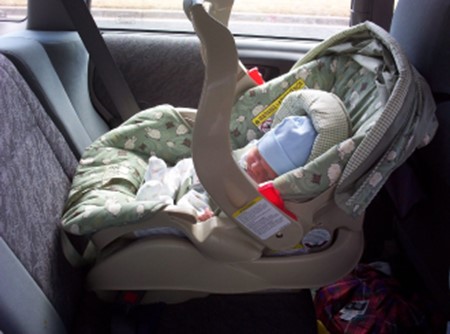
391	111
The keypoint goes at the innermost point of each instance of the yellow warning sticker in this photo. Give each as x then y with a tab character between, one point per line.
273	107
261	218
247	206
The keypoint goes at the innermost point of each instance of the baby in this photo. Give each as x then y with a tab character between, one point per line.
285	147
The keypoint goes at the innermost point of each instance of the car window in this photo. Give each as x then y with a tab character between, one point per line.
13	10
281	18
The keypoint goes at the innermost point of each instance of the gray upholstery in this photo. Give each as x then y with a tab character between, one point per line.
70	60
20	295
51	62
422	29
36	167
173	64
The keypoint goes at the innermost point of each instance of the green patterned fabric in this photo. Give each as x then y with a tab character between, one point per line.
339	74
112	169
388	103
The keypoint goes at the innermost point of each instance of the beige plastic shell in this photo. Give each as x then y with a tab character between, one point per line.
221	255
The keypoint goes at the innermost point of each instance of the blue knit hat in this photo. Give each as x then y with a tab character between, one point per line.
288	145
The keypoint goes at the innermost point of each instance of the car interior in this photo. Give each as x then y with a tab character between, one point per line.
65	83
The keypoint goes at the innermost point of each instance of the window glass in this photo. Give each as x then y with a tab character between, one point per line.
316	19
13	10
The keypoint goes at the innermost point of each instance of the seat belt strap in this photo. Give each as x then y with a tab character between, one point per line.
73	256
113	80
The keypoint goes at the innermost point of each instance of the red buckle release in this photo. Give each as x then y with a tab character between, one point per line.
256	75
273	196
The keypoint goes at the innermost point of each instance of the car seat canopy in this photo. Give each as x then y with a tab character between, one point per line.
389	104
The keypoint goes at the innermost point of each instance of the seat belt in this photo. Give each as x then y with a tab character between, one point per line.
123	100
75	258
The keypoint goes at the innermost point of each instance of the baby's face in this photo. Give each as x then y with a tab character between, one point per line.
257	167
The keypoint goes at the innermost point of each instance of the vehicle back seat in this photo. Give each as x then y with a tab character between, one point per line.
36	170
47	122
34	153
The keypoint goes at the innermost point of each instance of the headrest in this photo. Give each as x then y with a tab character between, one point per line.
327	113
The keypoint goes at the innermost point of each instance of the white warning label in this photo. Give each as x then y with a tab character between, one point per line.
261	218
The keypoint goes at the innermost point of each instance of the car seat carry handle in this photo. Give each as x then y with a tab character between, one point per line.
234	192
220	10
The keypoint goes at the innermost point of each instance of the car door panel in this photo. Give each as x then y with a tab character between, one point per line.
147	61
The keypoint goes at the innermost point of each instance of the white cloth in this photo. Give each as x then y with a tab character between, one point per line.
161	184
